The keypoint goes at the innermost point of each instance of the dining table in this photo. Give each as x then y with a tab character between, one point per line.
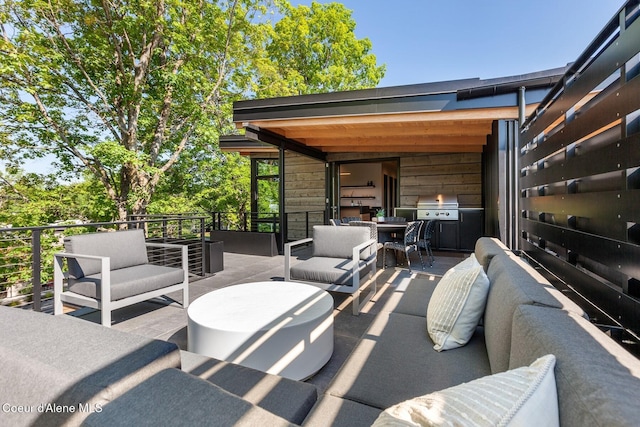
386	229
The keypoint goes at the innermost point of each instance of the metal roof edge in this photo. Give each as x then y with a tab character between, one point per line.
421	89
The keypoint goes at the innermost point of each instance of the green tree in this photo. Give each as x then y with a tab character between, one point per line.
313	50
29	199
120	89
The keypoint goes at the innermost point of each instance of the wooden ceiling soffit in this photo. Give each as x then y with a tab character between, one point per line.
413	129
476	114
424	141
474	148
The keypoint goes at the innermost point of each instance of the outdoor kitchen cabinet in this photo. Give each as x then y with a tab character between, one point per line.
470	227
447	235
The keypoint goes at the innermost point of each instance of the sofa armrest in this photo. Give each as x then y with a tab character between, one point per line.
287	255
58	276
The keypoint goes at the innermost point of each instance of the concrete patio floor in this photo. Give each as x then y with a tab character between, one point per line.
167	320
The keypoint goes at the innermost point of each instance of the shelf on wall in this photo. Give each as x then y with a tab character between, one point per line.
358	186
358	197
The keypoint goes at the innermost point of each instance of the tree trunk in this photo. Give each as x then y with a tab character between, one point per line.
122	210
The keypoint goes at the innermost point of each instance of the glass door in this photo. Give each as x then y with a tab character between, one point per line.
265	203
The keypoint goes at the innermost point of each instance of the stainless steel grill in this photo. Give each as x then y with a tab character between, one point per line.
443	207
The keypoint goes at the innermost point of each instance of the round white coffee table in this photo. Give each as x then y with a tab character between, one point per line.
282	328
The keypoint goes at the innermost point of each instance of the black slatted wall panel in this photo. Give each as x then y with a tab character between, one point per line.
580	174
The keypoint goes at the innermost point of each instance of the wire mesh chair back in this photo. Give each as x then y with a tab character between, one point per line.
373	229
425	242
348	219
395	219
412	233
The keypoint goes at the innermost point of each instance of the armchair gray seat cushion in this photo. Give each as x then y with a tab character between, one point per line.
126	282
328	270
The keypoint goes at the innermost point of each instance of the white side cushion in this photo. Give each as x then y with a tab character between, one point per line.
521	397
457	304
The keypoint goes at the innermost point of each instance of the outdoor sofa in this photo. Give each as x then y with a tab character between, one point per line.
525	318
139	381
60	370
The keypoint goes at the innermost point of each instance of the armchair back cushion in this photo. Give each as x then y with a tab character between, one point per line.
338	242
124	248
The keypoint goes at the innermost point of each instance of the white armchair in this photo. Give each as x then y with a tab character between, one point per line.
107	271
344	260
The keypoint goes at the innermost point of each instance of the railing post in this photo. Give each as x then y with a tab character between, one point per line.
36	258
306	223
165	233
203	244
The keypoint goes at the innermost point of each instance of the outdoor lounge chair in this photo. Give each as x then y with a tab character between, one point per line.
332	266
108	271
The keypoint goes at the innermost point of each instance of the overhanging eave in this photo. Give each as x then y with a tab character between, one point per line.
255	133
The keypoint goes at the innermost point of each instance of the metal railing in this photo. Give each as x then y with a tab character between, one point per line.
297	225
245	221
26	253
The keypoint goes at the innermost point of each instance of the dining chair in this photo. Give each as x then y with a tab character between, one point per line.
428	228
408	245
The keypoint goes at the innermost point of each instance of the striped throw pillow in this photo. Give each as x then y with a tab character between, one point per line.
457	304
521	397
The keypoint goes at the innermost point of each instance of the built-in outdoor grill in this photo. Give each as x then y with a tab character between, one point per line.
439	206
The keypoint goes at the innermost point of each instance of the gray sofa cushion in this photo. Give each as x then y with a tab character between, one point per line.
124	248
411	297
395	361
130	281
488	247
188	400
335	412
338	242
47	359
328	270
289	399
514	282
598	381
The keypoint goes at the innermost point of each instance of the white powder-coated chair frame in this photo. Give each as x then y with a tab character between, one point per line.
104	303
356	286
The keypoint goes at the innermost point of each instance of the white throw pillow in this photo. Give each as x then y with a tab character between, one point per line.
457	304
521	397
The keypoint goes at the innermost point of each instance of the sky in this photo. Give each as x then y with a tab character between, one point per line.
423	41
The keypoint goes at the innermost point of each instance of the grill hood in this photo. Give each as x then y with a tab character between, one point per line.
438	201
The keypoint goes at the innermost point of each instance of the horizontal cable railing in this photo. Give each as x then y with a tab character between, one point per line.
266	222
26	253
